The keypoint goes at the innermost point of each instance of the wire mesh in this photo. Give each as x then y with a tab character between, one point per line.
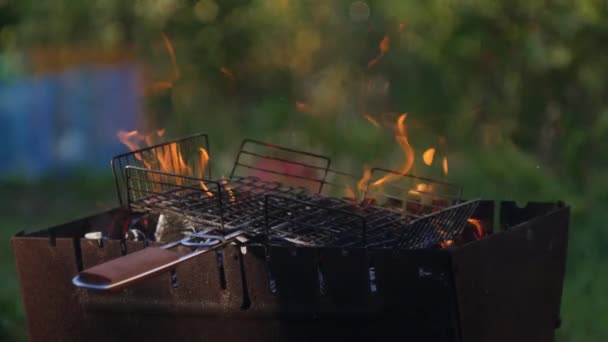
441	227
179	156
416	196
270	162
229	204
278	214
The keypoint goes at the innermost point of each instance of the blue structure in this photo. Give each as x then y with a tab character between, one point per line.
56	123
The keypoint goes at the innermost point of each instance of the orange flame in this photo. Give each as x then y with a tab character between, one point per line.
362	183
371	120
349	192
421	187
446	243
403	142
171	51
428	156
204	160
127	139
383	48
479	231
445	166
167	158
228	189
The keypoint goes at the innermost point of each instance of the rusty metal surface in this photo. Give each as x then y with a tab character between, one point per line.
509	285
506	287
51	307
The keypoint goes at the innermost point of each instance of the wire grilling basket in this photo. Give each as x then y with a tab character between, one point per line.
279	195
275	196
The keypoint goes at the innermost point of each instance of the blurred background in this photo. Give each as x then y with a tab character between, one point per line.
512	92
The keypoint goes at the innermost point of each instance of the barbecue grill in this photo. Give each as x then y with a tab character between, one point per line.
273	253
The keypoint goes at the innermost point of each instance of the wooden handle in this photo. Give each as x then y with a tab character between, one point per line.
141	264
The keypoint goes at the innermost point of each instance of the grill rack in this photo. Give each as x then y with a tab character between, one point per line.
292	167
147	157
405	190
280	214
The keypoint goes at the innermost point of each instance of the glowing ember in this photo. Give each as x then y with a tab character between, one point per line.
408	151
371	120
479	231
446	243
445	166
428	156
383	50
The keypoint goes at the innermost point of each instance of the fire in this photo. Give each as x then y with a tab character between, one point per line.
160	86
383	48
428	156
349	192
171	160
168	158
372	120
479	231
446	243
421	187
228	189
403	142
445	166
204	160
362	183
171	51
127	139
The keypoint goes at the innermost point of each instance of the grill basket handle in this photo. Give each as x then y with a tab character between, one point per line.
144	264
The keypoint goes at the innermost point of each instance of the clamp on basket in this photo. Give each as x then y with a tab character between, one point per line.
131	268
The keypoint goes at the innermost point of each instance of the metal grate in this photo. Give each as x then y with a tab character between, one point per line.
412	194
279	214
229	204
188	148
270	162
440	227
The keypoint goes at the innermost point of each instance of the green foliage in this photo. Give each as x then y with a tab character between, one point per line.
517	88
